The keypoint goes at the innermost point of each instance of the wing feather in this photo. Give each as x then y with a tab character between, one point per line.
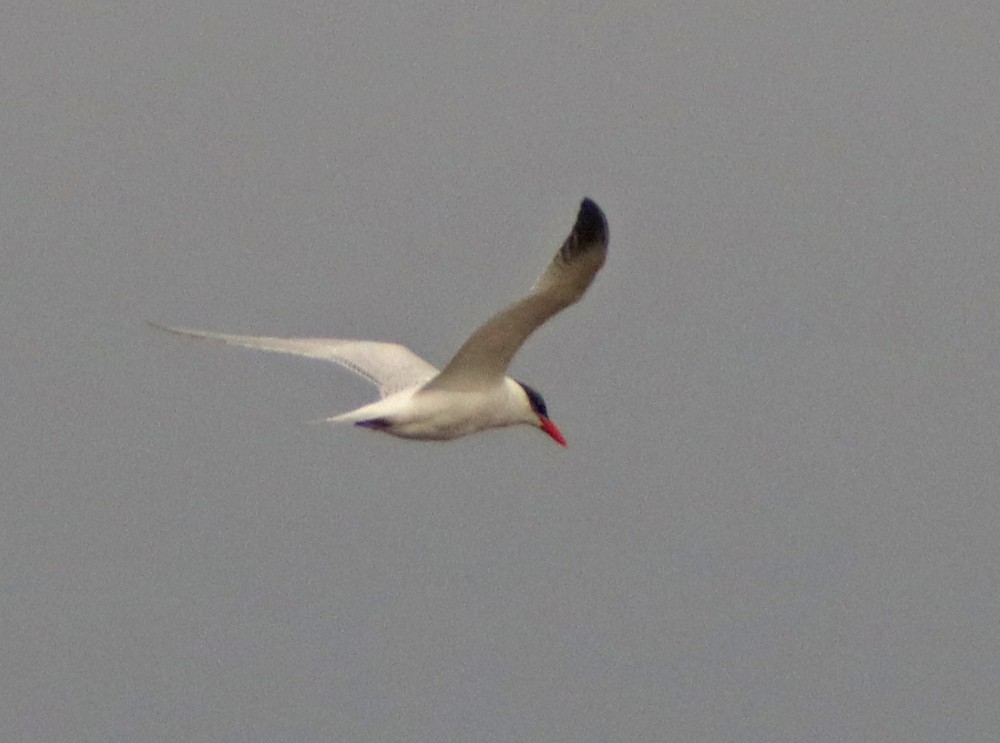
389	366
487	353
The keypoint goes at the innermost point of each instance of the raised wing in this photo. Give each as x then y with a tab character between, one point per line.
389	366
487	353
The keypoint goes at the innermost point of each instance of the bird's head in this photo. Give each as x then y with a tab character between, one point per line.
541	414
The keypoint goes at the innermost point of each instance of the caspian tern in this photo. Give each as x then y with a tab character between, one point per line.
472	393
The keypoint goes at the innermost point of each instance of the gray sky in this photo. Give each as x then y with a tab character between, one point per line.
778	517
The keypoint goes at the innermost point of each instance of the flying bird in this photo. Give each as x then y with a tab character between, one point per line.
472	392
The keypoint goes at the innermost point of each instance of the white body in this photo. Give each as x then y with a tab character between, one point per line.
442	415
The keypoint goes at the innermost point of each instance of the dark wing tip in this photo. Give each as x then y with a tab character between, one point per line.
591	225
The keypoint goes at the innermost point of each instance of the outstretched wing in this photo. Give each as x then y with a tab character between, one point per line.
389	366
487	353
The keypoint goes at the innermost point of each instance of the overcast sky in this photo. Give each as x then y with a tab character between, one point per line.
778	515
